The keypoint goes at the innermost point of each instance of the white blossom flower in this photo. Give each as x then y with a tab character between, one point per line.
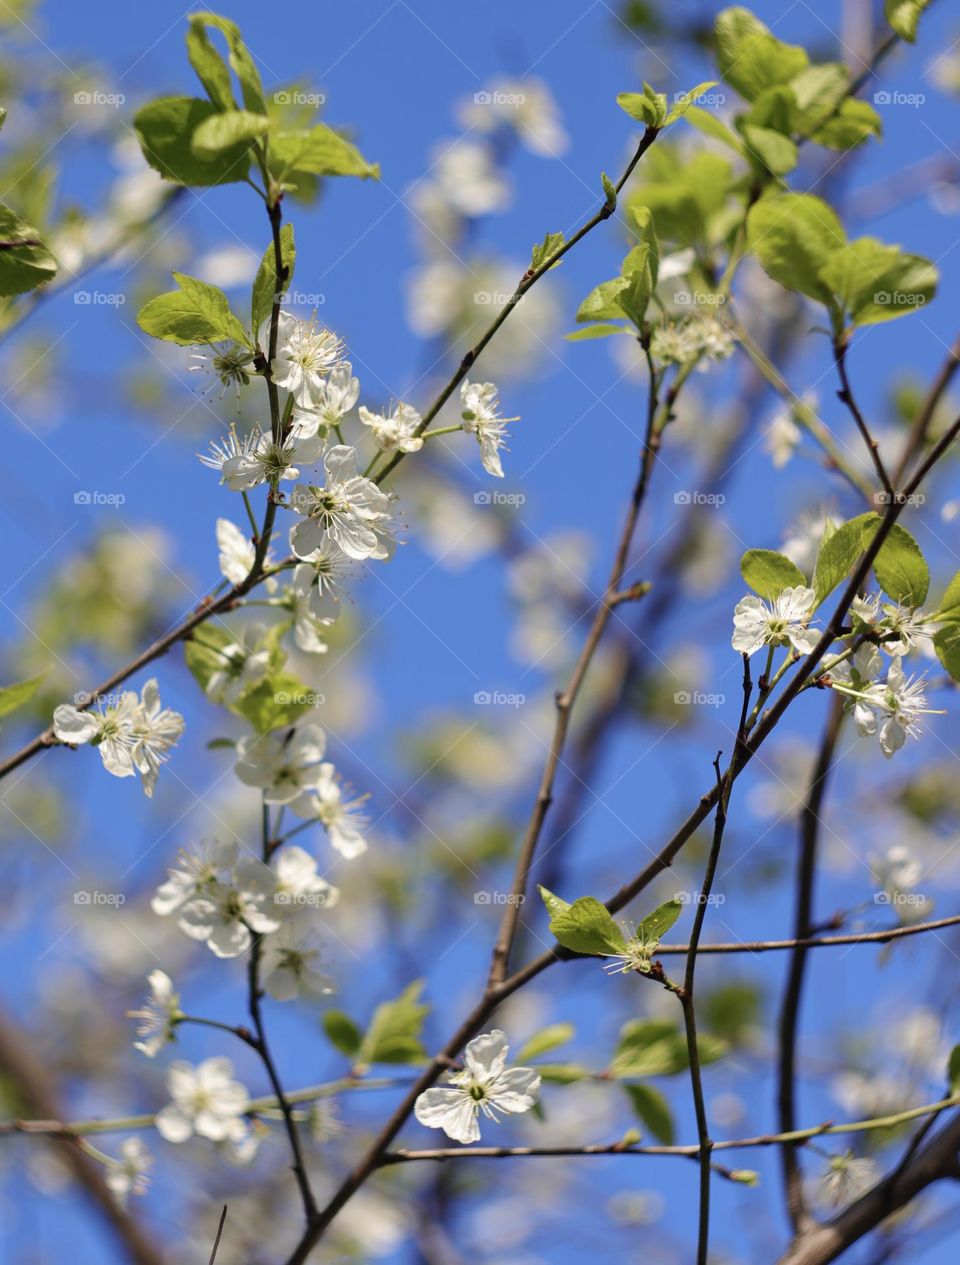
226	914
914	628
306	353
896	874
285	765
230	364
291	966
298	885
341	391
344	820
158	1016
781	439
393	432
756	624
206	1101
211	863
229	448
479	405
128	1175
241	666
701	338
237	551
266	462
349	509
133	736
526	106
320	578
890	709
856	674
848	1177
467	176
486	1084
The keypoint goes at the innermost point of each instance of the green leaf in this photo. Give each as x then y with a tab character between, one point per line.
646	107
853	123
394	1032
222	132
769	573
904	16
818	92
793	236
948	612
241	62
609	191
946	642
749	58
22	267
840	550
342	1033
771	149
656	925
901	569
165	128
13	697
545	1040
715	128
953	1070
544	250
587	926
209	66
554	904
265	284
201	651
276	702
318	151
562	1073
196	313
603	302
875	282
685	100
597	331
653	1110
656	1047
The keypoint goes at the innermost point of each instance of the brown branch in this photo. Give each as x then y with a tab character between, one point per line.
793	988
846	396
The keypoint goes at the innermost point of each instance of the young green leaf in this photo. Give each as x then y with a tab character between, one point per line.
210	68
646	107
318	151
241	62
901	568
278	701
196	313
165	128
769	573
609	192
875	282
544	250
840	550
223	132
793	235
265	284
13	697
684	100
554	905
656	1047
25	261
545	1040
749	58
394	1032
853	122
653	1110
587	926
904	16
656	925
342	1033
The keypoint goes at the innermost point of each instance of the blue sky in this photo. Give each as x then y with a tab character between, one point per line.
394	73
